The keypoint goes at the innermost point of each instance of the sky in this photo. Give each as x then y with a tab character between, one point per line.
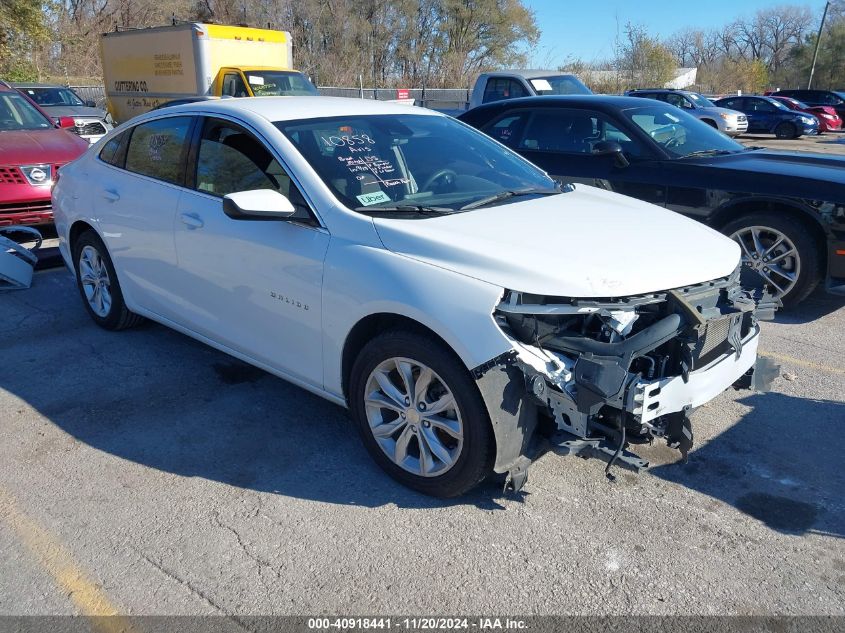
587	28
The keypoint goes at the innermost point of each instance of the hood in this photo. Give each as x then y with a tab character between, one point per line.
22	147
715	110
75	111
585	243
799	174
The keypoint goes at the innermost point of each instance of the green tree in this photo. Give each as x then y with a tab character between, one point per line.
22	28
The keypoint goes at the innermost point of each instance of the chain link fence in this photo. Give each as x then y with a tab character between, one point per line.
437	98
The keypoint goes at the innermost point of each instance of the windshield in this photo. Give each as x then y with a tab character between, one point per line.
679	133
700	101
410	160
275	83
53	96
559	85
779	105
16	113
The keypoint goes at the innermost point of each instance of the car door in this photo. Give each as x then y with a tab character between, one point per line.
561	140
252	285
762	115
136	191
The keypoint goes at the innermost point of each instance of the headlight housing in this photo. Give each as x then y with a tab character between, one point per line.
38	175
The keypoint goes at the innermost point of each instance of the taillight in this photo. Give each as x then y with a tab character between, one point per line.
66	122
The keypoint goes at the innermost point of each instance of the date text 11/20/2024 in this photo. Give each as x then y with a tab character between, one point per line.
416	624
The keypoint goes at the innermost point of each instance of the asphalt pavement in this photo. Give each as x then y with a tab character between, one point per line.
144	473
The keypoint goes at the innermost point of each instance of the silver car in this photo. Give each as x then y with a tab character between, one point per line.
89	121
729	122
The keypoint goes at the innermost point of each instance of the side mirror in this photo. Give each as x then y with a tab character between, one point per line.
611	148
66	122
260	204
91	103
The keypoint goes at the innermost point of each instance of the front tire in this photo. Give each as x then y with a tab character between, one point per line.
420	414
777	251
98	286
786	131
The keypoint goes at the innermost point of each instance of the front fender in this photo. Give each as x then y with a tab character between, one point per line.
360	281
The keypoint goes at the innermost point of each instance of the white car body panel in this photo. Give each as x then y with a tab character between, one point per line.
585	243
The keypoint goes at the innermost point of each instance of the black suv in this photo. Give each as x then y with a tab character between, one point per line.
833	98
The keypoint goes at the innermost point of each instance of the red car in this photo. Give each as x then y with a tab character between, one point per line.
829	120
32	148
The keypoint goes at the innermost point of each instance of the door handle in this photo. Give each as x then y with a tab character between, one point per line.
191	220
111	195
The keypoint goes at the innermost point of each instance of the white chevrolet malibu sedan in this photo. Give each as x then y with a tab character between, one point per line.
455	298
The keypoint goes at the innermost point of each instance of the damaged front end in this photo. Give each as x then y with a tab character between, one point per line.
619	371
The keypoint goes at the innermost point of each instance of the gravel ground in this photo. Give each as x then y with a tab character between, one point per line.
144	473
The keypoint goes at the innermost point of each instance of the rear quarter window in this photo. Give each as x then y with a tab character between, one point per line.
111	153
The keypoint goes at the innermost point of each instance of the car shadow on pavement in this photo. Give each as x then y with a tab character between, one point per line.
160	399
781	464
819	304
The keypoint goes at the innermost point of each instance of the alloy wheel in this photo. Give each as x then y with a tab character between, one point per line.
771	255
94	277
413	417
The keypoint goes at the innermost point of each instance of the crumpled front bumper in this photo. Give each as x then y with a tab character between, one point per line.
649	400
594	392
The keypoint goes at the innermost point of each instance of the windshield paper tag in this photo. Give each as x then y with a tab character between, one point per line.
255	80
541	85
373	198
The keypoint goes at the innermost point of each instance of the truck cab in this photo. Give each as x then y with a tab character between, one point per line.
262	81
512	84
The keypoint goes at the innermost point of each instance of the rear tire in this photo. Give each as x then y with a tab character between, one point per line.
437	449
769	227
98	286
786	130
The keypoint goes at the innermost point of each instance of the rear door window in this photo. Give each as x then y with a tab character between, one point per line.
508	128
500	88
736	103
158	149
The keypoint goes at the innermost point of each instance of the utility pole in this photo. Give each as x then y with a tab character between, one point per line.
818	41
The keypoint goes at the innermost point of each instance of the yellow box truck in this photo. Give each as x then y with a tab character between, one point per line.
144	68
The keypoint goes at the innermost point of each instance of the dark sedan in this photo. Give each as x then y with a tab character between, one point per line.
770	116
786	210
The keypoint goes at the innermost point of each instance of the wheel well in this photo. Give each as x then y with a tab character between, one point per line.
710	122
762	206
371	326
78	228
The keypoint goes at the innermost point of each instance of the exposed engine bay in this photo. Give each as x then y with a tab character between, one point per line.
620	371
